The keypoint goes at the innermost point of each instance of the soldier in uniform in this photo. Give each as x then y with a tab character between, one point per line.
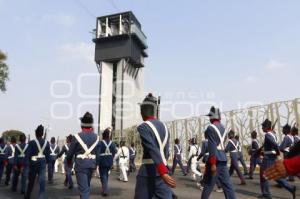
123	155
216	167
233	149
153	180
68	166
271	151
177	159
132	154
84	147
11	159
287	142
3	157
54	149
38	155
107	150
21	166
295	134
254	159
241	155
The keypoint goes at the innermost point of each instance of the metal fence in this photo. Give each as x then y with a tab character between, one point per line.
242	121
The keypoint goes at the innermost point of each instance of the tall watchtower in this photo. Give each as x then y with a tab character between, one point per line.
120	49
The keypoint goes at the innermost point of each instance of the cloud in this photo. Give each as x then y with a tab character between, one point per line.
79	51
251	79
275	65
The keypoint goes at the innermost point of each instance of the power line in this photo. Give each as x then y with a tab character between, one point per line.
112	3
86	9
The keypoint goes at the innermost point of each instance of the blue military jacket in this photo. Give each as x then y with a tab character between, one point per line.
20	158
204	151
106	155
3	153
89	138
11	153
233	148
287	142
254	148
151	148
33	151
132	153
54	152
177	152
214	141
271	148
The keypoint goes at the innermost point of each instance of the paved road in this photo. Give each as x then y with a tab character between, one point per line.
119	190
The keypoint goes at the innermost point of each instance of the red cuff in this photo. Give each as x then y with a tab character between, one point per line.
212	160
162	169
292	165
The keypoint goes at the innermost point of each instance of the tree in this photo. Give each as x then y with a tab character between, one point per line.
3	71
7	135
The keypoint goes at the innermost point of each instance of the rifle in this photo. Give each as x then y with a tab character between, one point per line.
45	135
158	107
57	140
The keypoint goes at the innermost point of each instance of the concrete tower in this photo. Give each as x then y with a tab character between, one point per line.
120	49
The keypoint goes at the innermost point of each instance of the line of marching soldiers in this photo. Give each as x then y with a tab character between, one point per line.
83	153
218	143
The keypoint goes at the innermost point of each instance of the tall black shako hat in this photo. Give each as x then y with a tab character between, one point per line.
39	131
87	120
267	124
214	113
286	128
149	100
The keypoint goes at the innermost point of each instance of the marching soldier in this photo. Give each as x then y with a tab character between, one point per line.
107	150
233	149
217	161
11	159
271	151
38	155
241	155
132	154
3	157
153	180
287	142
123	155
177	159
84	147
54	151
255	156
295	134
21	166
68	166
193	155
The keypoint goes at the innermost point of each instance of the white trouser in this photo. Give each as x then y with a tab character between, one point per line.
56	166
63	164
123	170
194	165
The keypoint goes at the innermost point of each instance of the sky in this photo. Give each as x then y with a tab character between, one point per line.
230	53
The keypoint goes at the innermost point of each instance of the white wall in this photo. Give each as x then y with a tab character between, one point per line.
133	94
106	95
